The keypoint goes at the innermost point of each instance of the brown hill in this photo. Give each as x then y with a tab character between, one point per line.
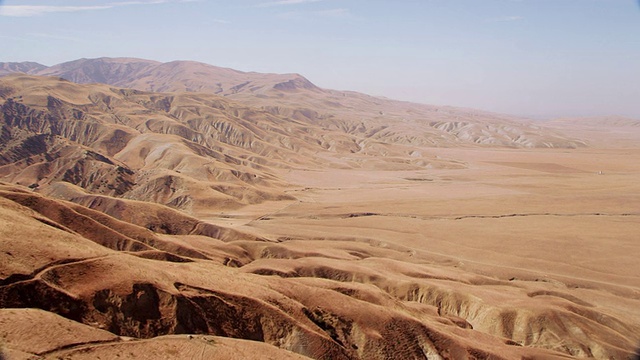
136	145
176	76
293	96
402	309
195	150
26	67
31	329
286	221
328	298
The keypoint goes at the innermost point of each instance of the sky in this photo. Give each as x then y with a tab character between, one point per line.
533	58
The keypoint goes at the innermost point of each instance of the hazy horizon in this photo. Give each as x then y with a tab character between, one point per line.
540	59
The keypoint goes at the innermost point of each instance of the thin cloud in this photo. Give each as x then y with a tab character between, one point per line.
55	37
304	15
14	38
35	10
38	10
506	19
287	2
334	12
150	2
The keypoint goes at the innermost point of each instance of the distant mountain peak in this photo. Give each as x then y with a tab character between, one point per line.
296	83
26	67
173	76
296	98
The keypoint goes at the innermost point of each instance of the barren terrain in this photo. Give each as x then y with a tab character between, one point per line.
280	220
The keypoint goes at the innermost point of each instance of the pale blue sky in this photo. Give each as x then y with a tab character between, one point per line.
539	58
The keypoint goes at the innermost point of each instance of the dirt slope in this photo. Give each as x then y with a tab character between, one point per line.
129	293
279	220
335	298
295	97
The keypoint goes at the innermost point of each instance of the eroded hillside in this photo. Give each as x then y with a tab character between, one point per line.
328	299
281	219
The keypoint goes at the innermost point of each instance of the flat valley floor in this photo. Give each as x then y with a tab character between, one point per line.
549	226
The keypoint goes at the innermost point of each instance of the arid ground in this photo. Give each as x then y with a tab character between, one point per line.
267	218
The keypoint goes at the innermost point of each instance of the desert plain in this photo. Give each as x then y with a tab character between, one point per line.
255	220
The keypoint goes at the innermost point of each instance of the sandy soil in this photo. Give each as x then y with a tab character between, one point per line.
306	222
544	224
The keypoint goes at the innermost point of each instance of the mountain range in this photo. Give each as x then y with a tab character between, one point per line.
215	124
181	209
294	96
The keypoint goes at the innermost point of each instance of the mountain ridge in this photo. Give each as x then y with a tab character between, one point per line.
156	76
134	73
130	143
294	96
330	224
